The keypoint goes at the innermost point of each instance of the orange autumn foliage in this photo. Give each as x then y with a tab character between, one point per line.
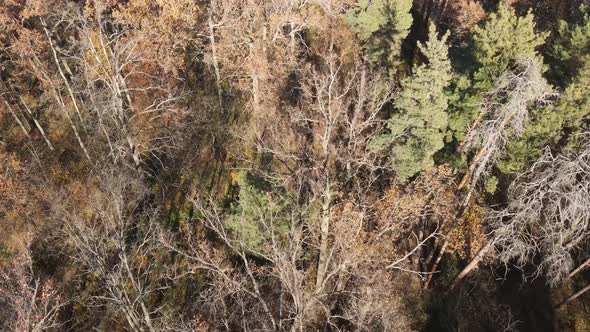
431	195
468	237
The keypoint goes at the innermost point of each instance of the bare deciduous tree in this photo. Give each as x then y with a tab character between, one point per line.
116	242
103	77
319	147
547	215
27	303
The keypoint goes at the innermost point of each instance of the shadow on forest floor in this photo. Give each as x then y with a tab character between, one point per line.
485	303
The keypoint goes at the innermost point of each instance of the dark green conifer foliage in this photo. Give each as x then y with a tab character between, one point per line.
463	106
256	214
503	40
382	25
557	125
571	44
416	131
499	43
553	125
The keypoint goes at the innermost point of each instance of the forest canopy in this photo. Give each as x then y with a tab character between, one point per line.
294	165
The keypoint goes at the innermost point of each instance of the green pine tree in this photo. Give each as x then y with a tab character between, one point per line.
382	25
555	125
504	39
570	46
256	214
498	44
417	129
464	105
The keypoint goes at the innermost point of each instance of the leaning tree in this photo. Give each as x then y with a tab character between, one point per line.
547	216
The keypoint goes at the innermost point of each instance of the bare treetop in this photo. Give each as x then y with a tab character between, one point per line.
548	213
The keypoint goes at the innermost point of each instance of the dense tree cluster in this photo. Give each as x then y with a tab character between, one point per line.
294	165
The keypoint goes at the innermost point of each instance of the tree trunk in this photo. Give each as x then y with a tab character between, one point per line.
480	154
418	264
292	42
214	60
473	264
37	124
75	130
61	73
18	121
472	167
579	268
255	95
573	297
60	100
446	240
324	234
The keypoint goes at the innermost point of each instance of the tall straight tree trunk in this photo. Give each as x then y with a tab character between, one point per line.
17	119
324	238
214	60
59	98
73	126
37	124
445	243
61	72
